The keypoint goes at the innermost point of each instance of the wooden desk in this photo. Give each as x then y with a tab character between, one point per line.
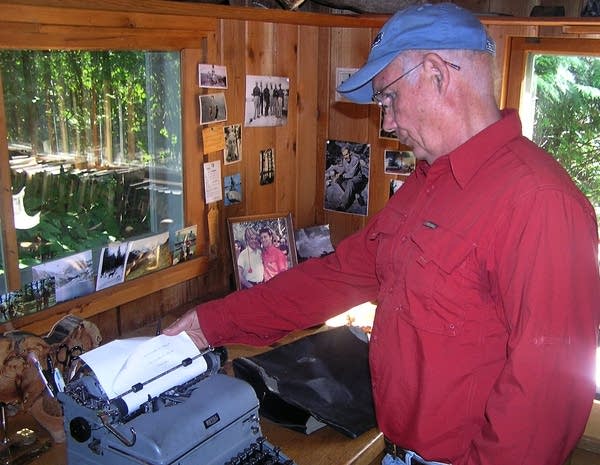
323	447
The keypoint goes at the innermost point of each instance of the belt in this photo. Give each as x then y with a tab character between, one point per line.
400	453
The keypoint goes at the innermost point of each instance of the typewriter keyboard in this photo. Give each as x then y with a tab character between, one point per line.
260	453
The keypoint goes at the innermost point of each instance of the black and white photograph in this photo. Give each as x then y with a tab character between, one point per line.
266	100
342	74
212	76
185	244
347	176
262	246
313	242
74	275
233	144
399	162
213	108
232	185
111	268
267	167
147	255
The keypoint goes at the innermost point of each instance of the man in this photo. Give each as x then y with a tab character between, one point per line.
250	264
274	260
348	175
483	265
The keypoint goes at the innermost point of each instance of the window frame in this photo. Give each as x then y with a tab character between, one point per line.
43	28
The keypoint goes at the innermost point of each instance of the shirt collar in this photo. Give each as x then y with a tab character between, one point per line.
466	159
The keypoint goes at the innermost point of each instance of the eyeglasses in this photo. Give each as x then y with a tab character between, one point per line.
381	96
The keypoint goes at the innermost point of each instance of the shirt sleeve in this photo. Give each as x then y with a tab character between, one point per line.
301	297
546	284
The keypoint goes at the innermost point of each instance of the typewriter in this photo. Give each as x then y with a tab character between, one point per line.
210	419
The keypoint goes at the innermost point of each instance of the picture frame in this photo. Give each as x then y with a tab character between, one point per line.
262	246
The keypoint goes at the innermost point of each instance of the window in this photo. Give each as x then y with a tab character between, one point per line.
555	84
95	150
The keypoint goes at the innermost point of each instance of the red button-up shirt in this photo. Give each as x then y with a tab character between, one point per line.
484	269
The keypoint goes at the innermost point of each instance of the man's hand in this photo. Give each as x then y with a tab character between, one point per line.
188	323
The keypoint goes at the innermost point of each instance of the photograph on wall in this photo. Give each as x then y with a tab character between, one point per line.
31	298
213	108
266	100
145	256
232	186
262	246
233	143
341	75
212	76
399	162
395	184
267	166
185	244
111	267
347	176
74	276
313	241
383	134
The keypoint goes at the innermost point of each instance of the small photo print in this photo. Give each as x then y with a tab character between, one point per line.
347	176
31	298
233	189
313	241
111	269
266	100
383	134
147	255
399	162
185	244
73	275
267	167
341	75
213	108
395	184
212	76
233	144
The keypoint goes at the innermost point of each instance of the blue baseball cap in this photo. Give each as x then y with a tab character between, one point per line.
440	26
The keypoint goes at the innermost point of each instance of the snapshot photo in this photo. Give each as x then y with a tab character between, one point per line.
341	75
185	244
347	177
232	186
313	241
395	184
399	162
111	268
267	166
31	298
262	246
213	108
266	101
233	144
74	276
147	255
212	76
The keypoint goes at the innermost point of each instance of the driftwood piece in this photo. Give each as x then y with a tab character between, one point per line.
21	385
356	6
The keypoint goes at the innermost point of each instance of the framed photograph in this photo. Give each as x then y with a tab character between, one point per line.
262	246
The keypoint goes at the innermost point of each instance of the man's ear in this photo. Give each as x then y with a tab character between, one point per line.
437	70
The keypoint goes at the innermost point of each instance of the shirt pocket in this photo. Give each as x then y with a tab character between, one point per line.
443	280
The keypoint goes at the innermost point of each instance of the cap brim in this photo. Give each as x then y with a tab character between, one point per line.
358	87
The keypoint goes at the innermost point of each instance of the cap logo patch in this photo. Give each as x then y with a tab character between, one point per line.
377	40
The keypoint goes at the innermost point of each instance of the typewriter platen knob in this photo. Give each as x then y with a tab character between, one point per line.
80	429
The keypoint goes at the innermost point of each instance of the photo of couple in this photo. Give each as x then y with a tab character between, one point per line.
261	248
